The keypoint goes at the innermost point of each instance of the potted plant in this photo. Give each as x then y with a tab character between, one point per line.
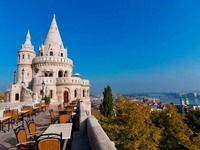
47	100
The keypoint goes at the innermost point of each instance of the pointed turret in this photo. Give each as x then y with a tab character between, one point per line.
53	36
53	45
27	46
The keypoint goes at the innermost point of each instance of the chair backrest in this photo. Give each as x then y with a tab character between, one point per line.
65	118
50	141
70	109
15	114
8	113
20	134
31	127
52	115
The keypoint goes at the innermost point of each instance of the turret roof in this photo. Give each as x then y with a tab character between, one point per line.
53	36
27	46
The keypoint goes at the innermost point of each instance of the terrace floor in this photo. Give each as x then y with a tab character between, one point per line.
8	139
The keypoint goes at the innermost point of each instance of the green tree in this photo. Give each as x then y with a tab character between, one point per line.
1	95
175	133
133	128
192	119
106	107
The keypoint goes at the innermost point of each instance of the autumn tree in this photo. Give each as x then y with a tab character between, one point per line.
175	133
1	96
192	119
132	128
106	107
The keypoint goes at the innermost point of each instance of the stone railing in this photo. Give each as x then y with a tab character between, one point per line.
67	80
47	81
98	139
52	59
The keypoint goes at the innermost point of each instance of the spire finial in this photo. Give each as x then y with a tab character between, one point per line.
54	16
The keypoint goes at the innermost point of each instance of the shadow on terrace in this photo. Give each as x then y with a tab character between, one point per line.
81	132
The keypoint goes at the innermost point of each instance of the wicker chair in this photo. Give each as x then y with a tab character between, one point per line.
7	113
50	141
52	115
22	142
33	133
65	118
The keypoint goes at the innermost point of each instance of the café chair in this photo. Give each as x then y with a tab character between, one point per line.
33	133
50	141
52	115
16	117
22	141
8	113
65	118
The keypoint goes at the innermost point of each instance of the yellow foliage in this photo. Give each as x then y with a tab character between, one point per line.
1	95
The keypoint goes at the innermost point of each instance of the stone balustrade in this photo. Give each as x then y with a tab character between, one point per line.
89	125
43	59
47	80
72	80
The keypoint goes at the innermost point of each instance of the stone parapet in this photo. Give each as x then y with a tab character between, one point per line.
71	80
97	137
45	59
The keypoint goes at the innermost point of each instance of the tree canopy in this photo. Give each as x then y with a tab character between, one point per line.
106	107
136	127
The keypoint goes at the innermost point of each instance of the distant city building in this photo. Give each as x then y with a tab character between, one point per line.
49	73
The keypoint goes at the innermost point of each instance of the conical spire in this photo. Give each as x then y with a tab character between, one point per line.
53	36
28	38
27	46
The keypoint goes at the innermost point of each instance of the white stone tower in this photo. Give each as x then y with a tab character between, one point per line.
25	57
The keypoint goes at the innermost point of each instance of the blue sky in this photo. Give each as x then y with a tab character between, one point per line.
132	45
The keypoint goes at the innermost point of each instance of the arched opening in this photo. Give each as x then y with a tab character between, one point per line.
61	54
51	93
87	93
29	57
83	93
66	97
51	75
23	56
75	93
41	93
16	97
46	74
60	73
66	74
41	54
51	53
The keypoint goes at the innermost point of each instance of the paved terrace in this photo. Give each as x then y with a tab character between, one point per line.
86	132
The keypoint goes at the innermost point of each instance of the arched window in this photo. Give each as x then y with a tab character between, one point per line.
66	74
41	54
29	57
61	54
83	93
41	92
75	93
60	73
51	75
51	93
51	53
46	74
23	56
16	97
87	93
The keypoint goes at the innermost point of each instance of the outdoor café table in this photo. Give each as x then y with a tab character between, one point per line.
1	121
23	113
65	128
44	107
